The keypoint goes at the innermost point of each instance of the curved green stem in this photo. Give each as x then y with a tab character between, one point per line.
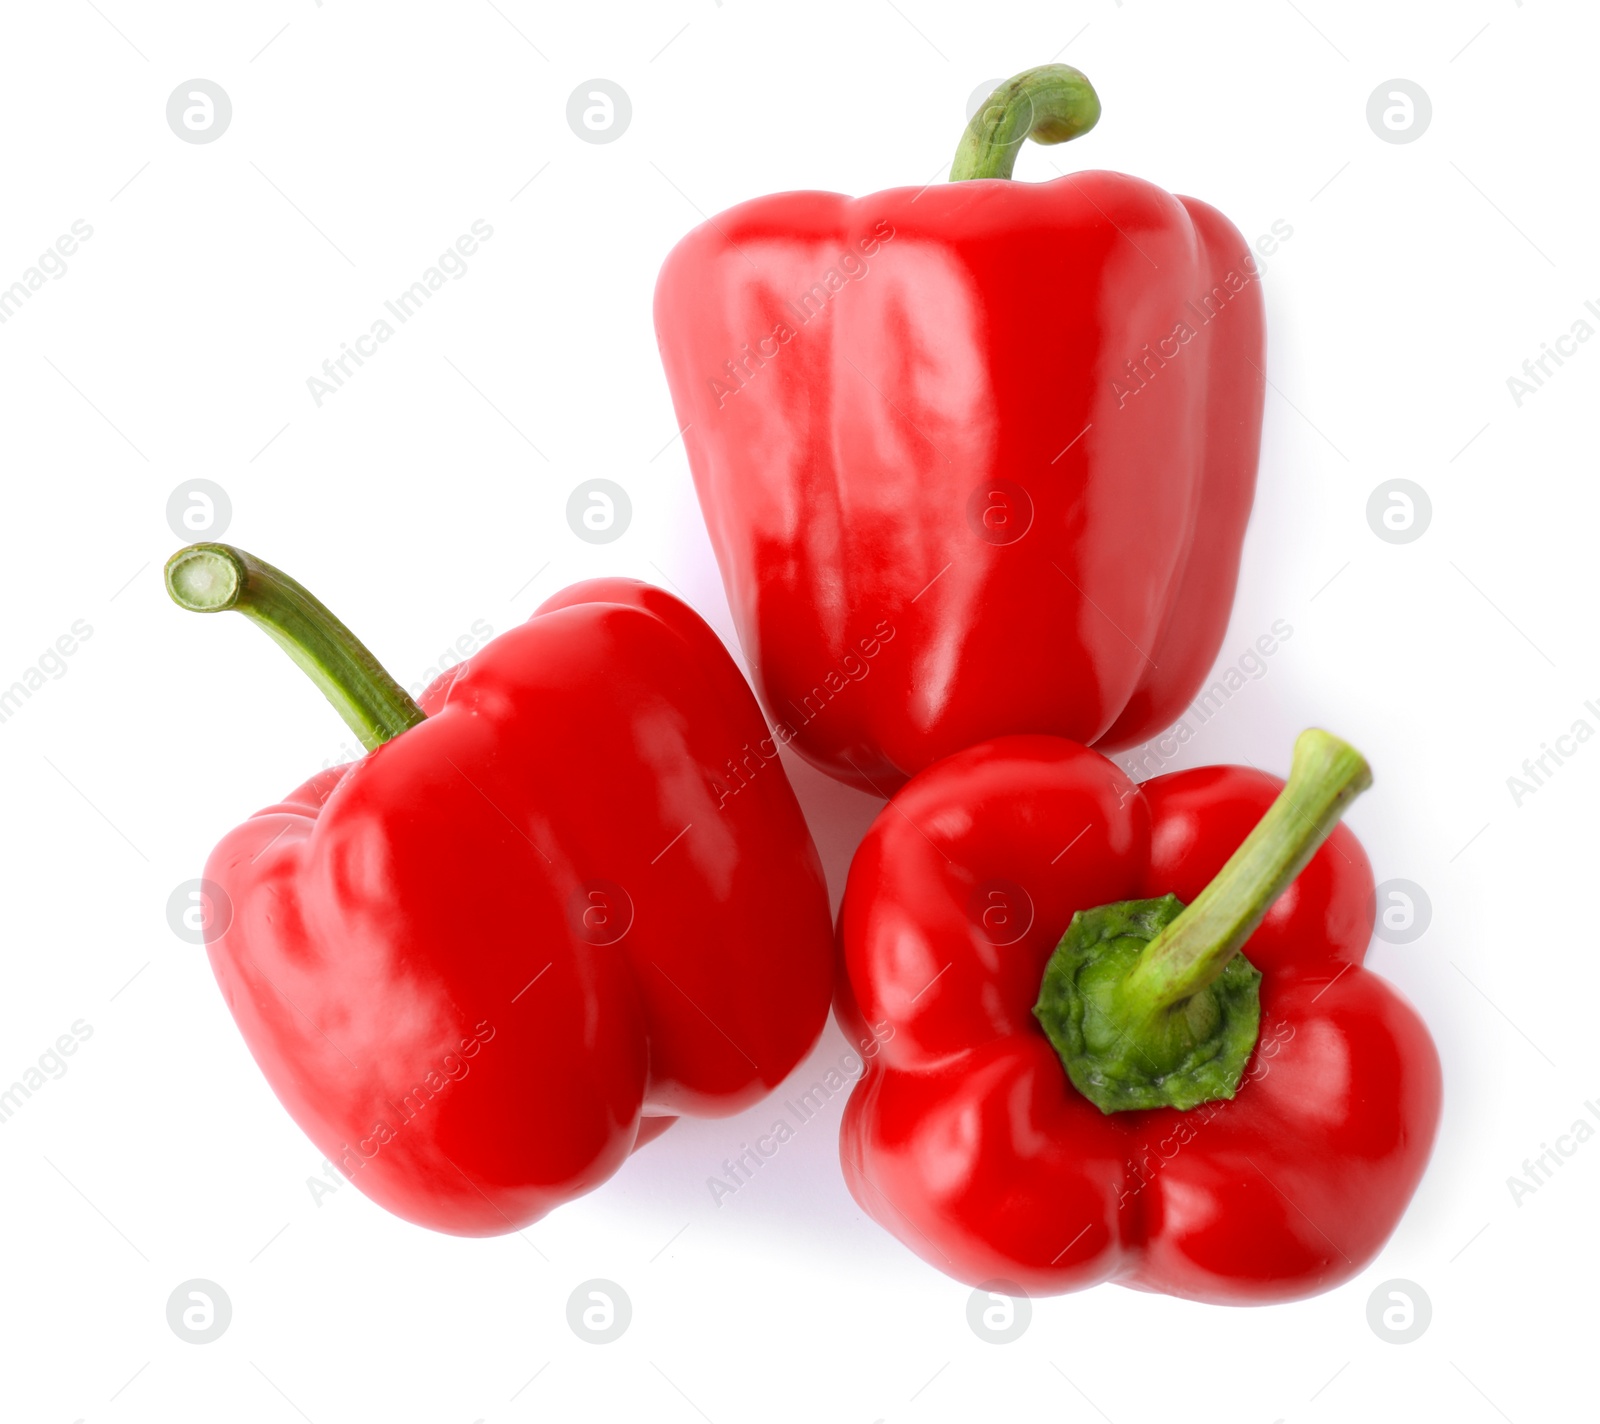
210	578
1050	104
1150	1004
1325	776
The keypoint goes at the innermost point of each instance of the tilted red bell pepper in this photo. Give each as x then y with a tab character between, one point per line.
976	458
482	964
1079	1080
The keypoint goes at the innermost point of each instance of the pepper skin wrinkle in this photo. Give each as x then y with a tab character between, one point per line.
485	962
967	1140
1016	424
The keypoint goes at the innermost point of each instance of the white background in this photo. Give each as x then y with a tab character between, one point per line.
430	491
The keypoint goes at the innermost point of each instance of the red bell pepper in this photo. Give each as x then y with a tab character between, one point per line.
1132	1100
975	458
535	922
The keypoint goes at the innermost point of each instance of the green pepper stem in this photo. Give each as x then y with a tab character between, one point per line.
210	578
1050	104
1325	776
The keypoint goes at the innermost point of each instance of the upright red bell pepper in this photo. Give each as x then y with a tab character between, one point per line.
1081	1080
536	921
975	458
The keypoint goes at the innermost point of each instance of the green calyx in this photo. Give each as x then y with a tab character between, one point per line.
1176	1058
1149	1003
1050	104
212	578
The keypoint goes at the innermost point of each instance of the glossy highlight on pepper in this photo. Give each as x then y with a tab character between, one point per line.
971	1137
533	925
1016	423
